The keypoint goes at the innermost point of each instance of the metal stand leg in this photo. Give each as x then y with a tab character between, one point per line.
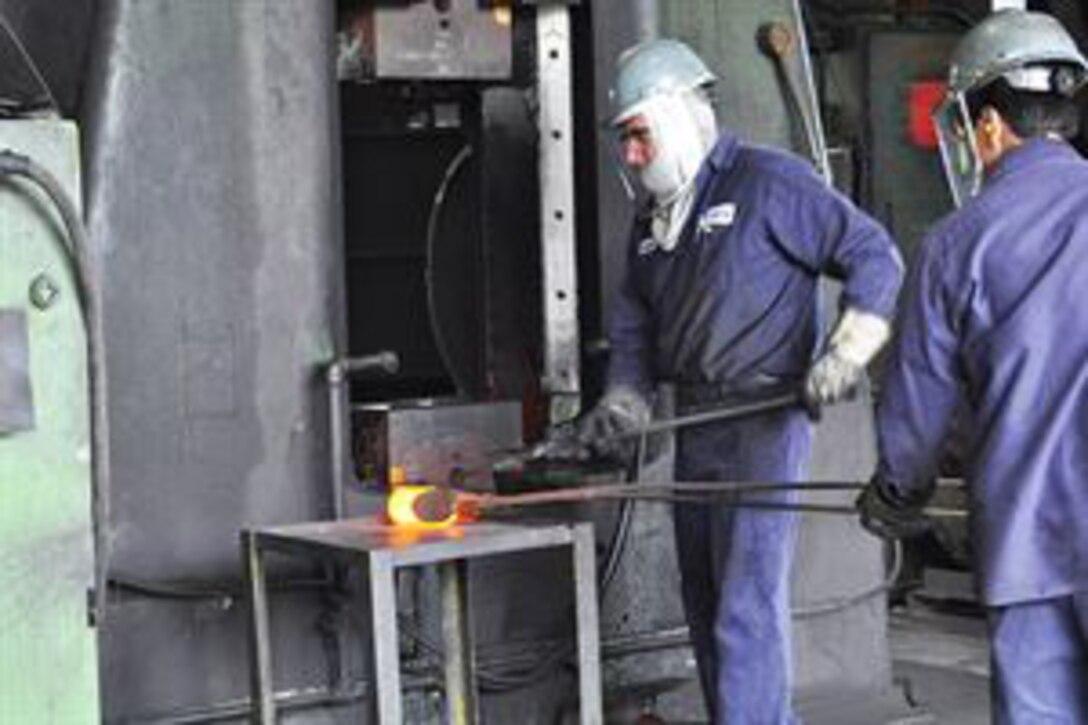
589	645
461	704
260	670
383	617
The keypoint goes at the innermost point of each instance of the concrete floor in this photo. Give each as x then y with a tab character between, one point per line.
942	662
941	666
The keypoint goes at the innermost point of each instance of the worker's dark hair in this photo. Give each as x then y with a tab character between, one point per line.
1028	113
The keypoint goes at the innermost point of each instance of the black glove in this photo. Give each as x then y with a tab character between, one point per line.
562	442
887	518
621	410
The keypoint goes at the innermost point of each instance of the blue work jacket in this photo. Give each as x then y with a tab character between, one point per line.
734	304
994	316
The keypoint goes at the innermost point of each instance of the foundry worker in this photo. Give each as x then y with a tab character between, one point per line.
994	320
720	299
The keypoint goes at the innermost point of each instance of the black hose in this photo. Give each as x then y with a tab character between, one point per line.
439	202
625	516
77	249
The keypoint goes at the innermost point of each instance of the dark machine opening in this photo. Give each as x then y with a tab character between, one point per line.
441	259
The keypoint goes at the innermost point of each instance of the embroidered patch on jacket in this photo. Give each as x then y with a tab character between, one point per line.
716	217
646	246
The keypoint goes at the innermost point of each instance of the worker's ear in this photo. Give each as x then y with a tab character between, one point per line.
992	136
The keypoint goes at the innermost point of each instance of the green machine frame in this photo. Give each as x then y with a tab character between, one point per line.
48	643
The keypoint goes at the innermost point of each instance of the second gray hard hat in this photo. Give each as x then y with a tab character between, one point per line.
1010	40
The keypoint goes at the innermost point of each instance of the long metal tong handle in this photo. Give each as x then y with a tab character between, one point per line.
732	412
730	494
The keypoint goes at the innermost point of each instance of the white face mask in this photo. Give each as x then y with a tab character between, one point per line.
683	130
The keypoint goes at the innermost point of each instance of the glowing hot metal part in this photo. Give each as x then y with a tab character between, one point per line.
420	507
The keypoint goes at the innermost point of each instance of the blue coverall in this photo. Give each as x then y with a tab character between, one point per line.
994	316
731	313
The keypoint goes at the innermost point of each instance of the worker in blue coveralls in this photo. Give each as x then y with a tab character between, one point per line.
993	323
719	299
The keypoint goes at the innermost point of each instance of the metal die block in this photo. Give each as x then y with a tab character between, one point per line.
437	442
453	40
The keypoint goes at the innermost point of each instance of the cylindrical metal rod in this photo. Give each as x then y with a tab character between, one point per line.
649	490
744	410
723	493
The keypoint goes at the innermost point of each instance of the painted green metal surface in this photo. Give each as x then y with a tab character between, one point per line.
48	652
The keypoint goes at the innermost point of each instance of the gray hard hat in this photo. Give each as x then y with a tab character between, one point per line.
1010	40
1031	51
655	67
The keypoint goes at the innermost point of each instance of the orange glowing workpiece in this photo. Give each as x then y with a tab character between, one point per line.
420	507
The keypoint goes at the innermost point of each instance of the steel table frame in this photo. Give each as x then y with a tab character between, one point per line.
383	549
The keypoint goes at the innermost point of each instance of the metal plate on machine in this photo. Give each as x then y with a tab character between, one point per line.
455	39
16	401
434	441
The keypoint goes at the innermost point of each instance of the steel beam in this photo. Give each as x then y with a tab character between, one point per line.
562	376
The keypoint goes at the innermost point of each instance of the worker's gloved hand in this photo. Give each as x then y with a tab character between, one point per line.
883	515
837	373
621	409
561	442
831	379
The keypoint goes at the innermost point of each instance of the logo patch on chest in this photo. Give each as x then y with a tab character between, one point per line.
647	246
718	217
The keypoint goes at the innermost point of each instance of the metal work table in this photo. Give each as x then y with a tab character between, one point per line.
382	549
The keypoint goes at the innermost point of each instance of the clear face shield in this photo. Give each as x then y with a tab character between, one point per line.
959	154
675	130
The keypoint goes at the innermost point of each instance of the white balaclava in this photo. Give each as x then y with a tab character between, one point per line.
683	129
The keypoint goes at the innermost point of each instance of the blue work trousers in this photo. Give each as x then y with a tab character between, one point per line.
735	565
1039	662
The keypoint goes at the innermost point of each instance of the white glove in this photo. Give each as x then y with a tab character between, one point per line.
620	410
856	340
